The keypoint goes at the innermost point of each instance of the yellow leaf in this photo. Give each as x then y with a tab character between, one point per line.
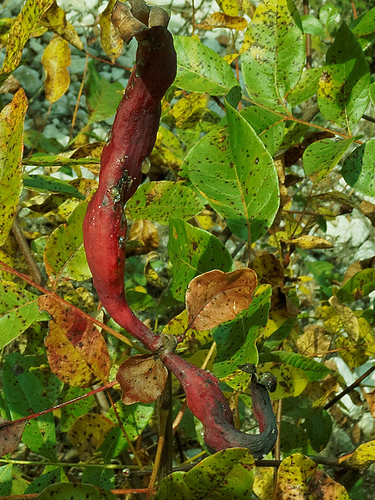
111	41
24	24
228	6
294	472
310	242
193	338
11	147
362	457
189	110
56	59
268	269
291	381
220	20
55	20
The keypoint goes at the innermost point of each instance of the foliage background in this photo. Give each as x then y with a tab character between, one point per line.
311	227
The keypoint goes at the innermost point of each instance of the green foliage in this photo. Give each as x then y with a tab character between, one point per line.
259	157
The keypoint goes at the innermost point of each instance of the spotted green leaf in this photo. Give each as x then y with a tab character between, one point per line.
235	340
18	310
158	201
344	84
75	491
232	169
322	156
227	474
358	168
193	251
64	254
273	63
201	69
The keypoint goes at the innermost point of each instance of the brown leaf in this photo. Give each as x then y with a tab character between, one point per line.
324	487
371	402
76	350
215	297
10	435
142	379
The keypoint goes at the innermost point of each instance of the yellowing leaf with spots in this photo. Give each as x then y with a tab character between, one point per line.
12	119
109	37
193	339
87	434
20	31
274	54
362	457
293	475
56	59
229	7
76	350
291	381
215	297
189	110
324	487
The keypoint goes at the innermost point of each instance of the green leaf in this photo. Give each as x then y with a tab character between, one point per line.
313	369
6	477
18	310
235	340
319	429
20	31
25	394
200	69
75	491
358	168
48	477
193	251
48	184
364	28
232	169
313	26
322	156
12	119
372	92
329	15
59	161
344	83
306	88
227	474
102	97
273	64
64	254
267	125
158	201
358	286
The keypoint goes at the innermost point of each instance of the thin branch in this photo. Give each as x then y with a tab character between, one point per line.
349	388
308	37
25	249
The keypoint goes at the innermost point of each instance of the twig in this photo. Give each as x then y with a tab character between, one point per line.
25	249
349	388
369	118
165	418
308	37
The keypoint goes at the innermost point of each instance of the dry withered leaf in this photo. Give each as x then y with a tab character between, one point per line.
220	20
144	235
322	486
76	350
142	379
10	435
370	397
215	297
